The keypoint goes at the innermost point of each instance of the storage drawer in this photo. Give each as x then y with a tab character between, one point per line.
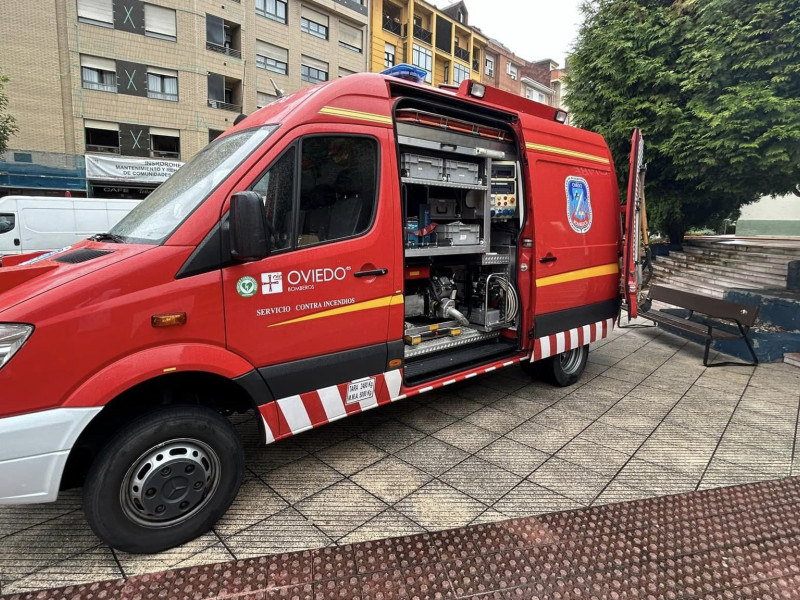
462	172
418	166
459	234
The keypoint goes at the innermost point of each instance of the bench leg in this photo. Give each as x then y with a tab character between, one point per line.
729	363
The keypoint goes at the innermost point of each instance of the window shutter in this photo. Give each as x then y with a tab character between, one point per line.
271	51
352	36
95	62
160	71
314	63
262	99
215	30
96	10
313	15
165	131
90	124
160	20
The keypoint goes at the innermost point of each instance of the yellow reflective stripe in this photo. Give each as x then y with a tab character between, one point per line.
341	310
565	152
355	114
609	269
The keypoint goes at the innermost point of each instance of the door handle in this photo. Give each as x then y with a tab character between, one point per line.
548	259
371	273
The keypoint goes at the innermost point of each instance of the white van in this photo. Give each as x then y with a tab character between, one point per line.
35	223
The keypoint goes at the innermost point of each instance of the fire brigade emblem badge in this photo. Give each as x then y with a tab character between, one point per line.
246	287
579	206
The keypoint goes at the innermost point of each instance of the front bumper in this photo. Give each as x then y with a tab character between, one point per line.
34	449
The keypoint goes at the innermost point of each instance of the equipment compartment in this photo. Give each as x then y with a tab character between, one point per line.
457	171
422	167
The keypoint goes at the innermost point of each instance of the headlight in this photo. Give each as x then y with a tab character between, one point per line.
12	337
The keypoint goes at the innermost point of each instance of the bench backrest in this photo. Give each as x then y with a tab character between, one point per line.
713	307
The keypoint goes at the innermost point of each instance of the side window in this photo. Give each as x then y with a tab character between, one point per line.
338	191
7	222
338	188
276	187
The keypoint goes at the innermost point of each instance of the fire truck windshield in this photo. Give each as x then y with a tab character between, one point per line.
154	219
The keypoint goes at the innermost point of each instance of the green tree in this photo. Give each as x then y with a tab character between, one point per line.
7	122
715	87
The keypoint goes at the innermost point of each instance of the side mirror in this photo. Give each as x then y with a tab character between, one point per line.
248	227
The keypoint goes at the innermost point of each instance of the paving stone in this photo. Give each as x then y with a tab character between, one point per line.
286	531
439	506
540	437
655	478
302	478
522	407
593	456
570	480
253	503
263	459
480	480
477	391
530	499
466	436
394	553
494	420
392	436
95	564
427	419
432	455
513	456
341	508
391	479
199	551
389	523
612	437
456	406
419	581
350	456
723	473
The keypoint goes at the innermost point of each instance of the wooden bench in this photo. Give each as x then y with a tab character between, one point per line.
713	310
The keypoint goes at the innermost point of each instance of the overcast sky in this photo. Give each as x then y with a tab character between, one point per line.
532	29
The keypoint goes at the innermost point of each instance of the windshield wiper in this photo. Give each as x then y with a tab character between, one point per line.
108	237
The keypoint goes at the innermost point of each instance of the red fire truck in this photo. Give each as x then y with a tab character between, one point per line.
350	245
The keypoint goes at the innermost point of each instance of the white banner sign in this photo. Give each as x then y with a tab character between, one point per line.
125	168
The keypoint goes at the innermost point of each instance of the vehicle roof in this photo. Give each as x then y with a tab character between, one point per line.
370	97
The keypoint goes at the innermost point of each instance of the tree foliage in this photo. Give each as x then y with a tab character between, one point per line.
715	87
7	123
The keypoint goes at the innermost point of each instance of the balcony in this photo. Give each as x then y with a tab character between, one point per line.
225	105
423	34
461	53
392	25
223	50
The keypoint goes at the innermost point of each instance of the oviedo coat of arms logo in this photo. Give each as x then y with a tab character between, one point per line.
579	205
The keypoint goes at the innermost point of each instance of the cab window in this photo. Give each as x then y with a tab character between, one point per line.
7	221
333	183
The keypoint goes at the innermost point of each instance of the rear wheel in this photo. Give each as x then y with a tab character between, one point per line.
562	369
164	479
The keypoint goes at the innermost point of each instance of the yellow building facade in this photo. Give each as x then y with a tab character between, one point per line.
437	40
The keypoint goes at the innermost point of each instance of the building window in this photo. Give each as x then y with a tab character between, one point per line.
272	58
214	134
313	23
511	70
272	9
98	74
351	37
96	12
313	70
101	136
165	143
391	18
532	94
224	92
159	22
223	36
460	73
388	55
489	66
460	16
423	58
263	99
345	72
162	84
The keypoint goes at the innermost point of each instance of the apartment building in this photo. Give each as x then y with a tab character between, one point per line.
136	87
439	41
511	73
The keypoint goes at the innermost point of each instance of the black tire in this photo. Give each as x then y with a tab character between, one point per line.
566	368
189	465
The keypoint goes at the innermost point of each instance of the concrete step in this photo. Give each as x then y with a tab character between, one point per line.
788	248
767	280
725	280
692	285
778	265
759	257
792	358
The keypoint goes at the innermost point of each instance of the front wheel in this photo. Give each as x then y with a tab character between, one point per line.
562	369
164	479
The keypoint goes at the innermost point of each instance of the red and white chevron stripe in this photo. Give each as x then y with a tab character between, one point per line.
292	415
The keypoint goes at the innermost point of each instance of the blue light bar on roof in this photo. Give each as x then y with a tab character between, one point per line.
406	71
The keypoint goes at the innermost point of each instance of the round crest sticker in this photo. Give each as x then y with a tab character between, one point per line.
579	205
246	287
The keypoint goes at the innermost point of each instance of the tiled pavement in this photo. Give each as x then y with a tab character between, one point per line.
719	544
645	420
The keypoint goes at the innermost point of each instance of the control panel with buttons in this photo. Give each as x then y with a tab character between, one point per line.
504	197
